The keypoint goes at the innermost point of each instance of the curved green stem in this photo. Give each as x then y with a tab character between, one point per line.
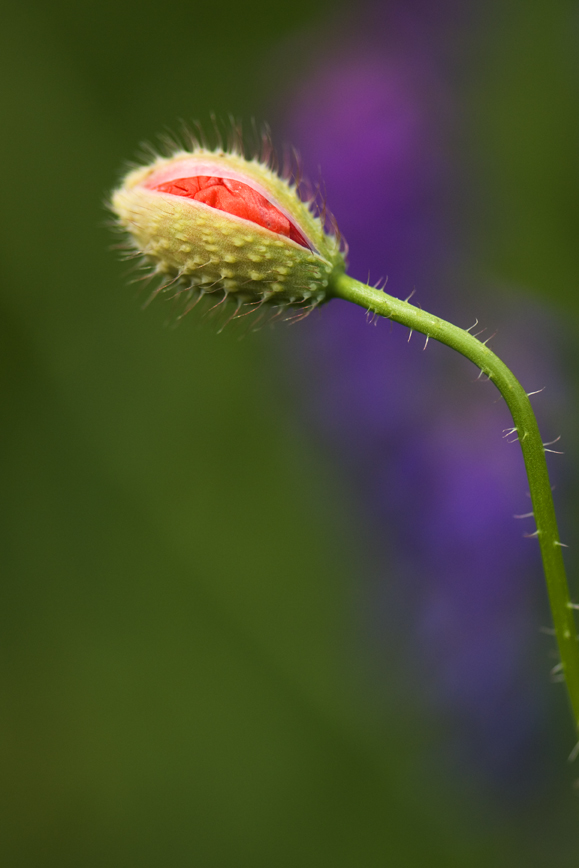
533	452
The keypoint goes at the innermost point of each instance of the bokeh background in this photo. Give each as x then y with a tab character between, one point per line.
264	602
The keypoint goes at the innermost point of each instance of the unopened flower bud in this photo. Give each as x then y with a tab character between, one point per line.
212	220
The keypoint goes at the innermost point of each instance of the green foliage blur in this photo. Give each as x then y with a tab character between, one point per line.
182	681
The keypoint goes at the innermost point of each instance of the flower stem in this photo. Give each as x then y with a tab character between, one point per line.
531	444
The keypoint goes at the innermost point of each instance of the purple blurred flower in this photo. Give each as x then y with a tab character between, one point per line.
367	121
420	443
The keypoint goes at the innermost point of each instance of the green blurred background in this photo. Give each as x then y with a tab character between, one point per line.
182	678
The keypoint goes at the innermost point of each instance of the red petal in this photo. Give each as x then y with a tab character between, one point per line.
236	198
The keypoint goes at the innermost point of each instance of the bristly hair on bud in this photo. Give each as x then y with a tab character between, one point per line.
211	220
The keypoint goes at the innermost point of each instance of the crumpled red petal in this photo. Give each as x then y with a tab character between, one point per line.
237	198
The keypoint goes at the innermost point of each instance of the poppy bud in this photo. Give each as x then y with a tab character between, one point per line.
215	221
